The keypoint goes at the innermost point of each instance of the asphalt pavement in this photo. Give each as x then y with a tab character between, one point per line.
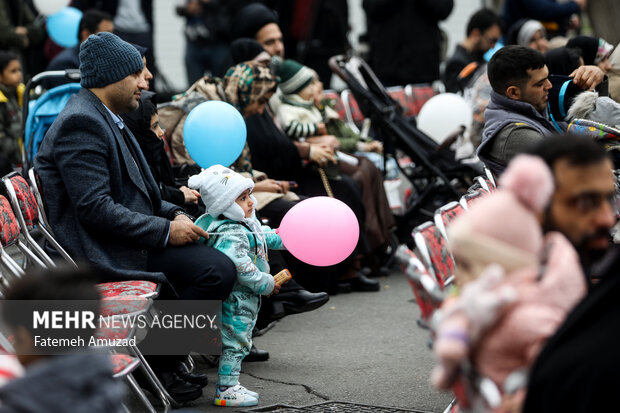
362	348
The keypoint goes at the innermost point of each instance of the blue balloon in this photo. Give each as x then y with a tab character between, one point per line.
214	133
63	26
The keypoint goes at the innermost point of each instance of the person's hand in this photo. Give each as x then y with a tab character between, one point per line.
270	185
183	231
374	146
330	140
321	154
276	289
581	3
193	8
191	195
587	77
321	129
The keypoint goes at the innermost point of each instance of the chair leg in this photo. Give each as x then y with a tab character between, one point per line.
138	391
162	394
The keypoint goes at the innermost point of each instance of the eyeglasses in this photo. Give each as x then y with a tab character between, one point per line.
591	201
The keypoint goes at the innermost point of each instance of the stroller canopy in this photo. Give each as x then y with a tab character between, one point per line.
42	113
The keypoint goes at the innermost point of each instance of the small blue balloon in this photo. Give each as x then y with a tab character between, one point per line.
63	26
214	133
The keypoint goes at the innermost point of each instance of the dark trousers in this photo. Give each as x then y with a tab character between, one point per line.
196	272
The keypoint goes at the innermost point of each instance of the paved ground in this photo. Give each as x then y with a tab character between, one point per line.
359	347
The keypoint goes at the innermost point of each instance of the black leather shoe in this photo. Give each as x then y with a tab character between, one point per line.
180	390
195	378
363	283
257	355
300	301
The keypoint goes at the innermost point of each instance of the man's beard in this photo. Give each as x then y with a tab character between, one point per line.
587	256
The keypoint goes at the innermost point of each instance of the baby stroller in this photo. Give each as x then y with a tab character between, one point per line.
435	175
39	114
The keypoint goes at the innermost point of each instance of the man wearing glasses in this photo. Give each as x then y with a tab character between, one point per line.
483	32
577	369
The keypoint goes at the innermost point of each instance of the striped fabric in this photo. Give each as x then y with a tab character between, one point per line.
296	129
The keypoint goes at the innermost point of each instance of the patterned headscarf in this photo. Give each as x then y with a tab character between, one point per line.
248	82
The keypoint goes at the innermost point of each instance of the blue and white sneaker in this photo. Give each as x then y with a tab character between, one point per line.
250	392
234	396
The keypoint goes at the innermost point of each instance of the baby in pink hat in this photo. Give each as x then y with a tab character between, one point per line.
517	285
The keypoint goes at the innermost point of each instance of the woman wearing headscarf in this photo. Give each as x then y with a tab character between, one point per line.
144	124
594	50
248	86
528	33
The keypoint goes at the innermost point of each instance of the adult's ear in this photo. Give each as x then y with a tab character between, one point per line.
513	92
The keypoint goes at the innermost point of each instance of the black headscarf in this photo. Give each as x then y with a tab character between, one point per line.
588	46
251	19
139	123
562	61
245	49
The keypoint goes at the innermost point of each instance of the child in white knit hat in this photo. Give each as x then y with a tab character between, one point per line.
231	221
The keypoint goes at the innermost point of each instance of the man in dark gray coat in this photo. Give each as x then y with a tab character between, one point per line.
104	205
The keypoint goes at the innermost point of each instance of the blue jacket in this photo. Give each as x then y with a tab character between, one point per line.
245	250
101	207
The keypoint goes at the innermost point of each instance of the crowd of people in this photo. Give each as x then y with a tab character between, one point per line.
534	293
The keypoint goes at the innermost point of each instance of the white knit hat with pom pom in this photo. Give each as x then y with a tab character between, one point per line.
219	187
507	219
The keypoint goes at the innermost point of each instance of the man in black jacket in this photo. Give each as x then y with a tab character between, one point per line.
577	369
483	32
405	40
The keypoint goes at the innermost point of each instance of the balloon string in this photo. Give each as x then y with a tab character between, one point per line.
243	232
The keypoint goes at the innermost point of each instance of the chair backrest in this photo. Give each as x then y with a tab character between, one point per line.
445	215
433	249
398	94
9	228
491	179
471	197
353	112
28	210
417	96
37	190
425	289
338	104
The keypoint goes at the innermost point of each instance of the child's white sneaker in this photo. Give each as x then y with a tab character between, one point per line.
250	392
234	396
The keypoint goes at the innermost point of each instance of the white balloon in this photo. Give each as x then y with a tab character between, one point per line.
48	7
443	114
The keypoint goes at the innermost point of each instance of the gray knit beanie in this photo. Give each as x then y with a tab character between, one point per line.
106	59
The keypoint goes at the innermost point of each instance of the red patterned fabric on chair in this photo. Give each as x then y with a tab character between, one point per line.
354	114
123	364
471	197
9	230
27	202
417	96
338	104
116	306
145	289
433	249
397	93
421	282
445	215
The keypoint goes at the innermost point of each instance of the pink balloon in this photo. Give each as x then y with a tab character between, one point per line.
320	231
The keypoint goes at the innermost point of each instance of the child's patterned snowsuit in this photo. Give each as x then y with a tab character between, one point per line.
240	309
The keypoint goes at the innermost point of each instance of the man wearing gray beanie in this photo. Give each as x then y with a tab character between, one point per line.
104	205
